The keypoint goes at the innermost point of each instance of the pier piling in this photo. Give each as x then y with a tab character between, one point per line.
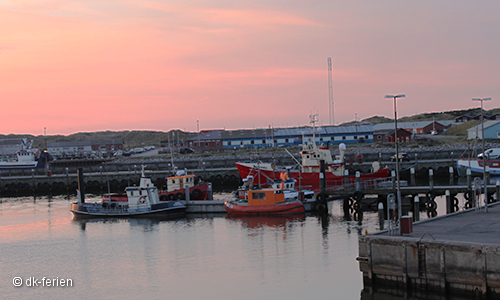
416	209
448	202
381	215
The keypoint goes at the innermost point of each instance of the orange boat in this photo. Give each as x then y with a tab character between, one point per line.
265	202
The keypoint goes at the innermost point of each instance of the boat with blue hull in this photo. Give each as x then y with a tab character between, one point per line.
142	202
476	166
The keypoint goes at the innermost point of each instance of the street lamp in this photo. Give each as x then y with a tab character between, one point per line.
398	190
484	156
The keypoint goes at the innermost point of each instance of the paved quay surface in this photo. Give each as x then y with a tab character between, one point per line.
469	227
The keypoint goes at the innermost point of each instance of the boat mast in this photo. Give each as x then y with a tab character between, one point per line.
313	119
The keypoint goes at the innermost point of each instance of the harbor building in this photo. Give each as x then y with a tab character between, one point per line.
295	136
210	140
83	147
12	146
491	131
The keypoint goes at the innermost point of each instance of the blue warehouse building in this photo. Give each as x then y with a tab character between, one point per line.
295	135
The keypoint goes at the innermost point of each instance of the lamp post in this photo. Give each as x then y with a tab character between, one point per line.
398	190
484	156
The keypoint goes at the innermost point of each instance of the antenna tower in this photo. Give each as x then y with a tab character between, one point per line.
330	91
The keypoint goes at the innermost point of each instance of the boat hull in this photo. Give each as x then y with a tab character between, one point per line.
162	210
15	165
477	167
285	208
305	180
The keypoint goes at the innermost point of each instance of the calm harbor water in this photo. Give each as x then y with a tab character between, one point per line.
197	257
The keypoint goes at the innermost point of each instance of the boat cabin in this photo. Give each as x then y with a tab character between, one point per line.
143	196
265	197
180	181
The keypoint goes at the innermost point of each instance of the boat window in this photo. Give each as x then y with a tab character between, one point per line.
173	181
259	196
307	156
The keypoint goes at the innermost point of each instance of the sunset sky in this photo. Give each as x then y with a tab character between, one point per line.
74	66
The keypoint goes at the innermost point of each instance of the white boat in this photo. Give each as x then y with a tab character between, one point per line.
477	166
142	202
24	159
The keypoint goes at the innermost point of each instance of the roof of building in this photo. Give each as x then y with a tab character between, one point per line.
246	134
486	125
12	141
82	143
212	135
412	125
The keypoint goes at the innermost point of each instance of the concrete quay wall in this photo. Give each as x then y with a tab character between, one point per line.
426	264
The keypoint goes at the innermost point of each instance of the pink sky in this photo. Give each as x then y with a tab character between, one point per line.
74	66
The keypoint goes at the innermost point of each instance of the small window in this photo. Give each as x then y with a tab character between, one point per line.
355	137
343	137
206	144
286	140
320	139
366	137
259	196
173	180
218	143
252	142
263	141
332	138
275	141
229	143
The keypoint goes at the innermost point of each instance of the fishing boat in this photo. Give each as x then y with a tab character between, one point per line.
23	159
308	173
285	183
141	201
476	166
175	189
267	201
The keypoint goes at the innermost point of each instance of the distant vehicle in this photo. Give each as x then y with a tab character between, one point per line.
118	153
139	150
402	157
126	153
186	150
493	153
147	148
434	132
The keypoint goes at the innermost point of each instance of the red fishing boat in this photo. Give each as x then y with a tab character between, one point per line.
308	173
268	201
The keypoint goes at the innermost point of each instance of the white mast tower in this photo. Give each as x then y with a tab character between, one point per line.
330	91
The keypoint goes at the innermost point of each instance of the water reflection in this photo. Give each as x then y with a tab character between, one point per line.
275	221
384	293
144	224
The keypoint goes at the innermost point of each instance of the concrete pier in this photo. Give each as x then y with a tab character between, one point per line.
456	253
